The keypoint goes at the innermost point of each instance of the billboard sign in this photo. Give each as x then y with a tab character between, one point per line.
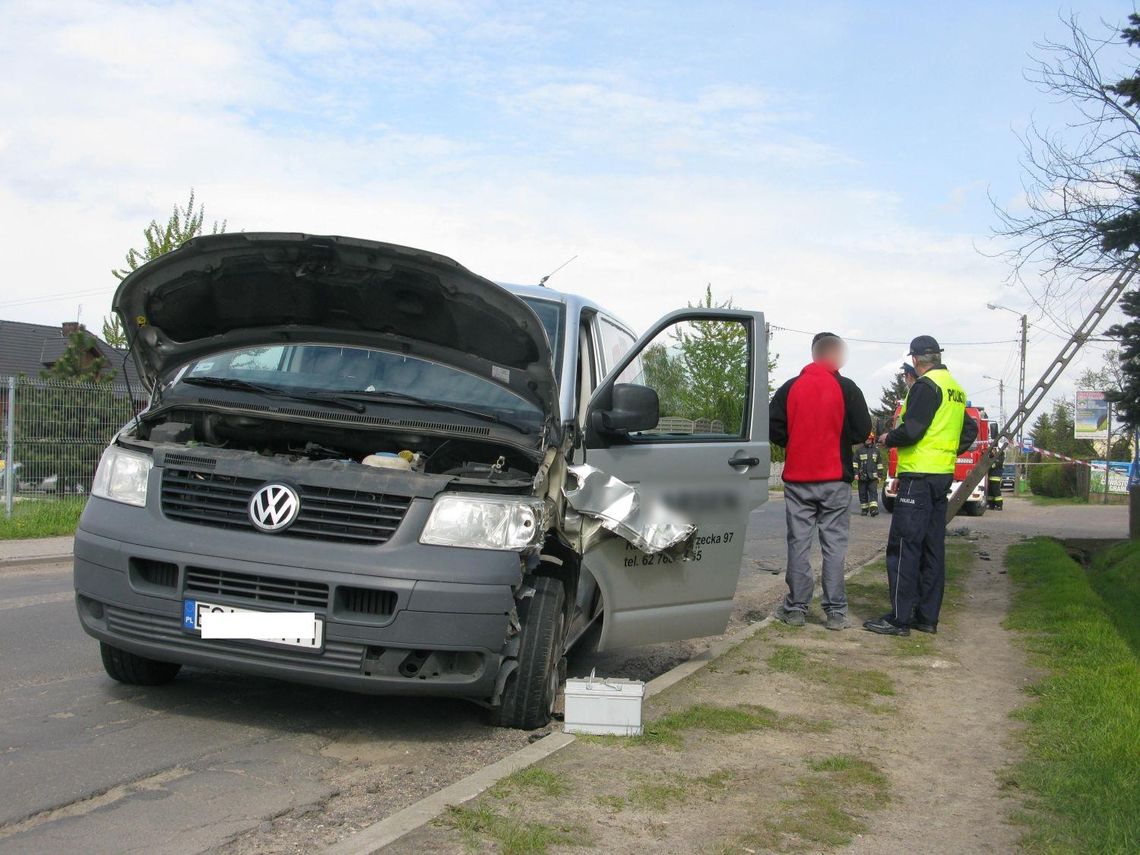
1090	417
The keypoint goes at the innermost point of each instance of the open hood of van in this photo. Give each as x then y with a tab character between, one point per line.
221	292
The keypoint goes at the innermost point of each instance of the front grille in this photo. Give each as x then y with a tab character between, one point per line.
256	588
161	574
347	516
337	656
367	601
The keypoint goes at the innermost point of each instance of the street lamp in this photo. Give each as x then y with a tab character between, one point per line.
1020	379
1001	396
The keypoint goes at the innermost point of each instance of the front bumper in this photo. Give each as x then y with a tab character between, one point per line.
430	635
978	495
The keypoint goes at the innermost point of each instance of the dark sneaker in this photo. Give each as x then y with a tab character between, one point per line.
929	628
837	622
874	512
882	626
792	617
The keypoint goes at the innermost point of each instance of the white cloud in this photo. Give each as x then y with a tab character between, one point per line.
289	119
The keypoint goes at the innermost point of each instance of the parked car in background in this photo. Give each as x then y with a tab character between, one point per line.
1009	477
433	473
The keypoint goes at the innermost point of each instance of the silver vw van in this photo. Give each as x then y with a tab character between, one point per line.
365	467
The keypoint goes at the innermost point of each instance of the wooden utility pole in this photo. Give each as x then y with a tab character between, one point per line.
1034	397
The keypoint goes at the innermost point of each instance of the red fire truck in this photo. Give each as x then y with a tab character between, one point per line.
976	504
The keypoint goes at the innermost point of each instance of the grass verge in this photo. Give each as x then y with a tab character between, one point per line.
669	730
513	835
1082	769
828	807
666	791
867	594
858	686
1115	575
41	518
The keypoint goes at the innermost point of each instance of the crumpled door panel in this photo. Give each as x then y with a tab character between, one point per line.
603	503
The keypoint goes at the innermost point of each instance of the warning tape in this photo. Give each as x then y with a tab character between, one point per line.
1034	448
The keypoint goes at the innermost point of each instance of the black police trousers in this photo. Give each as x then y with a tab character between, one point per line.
916	549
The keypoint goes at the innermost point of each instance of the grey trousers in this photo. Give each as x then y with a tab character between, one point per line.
821	507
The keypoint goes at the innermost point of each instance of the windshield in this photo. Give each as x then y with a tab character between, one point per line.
330	369
551	314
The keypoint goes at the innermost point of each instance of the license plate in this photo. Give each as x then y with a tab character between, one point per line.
193	610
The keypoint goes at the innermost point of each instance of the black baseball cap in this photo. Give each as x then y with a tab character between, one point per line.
924	345
907	368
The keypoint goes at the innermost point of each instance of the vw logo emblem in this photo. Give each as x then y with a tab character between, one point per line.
274	507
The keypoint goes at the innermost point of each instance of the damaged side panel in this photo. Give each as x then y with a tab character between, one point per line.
601	503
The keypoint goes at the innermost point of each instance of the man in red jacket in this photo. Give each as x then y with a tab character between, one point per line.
817	417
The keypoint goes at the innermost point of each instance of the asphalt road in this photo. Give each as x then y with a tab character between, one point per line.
238	764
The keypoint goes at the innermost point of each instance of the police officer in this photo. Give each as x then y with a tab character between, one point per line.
993	485
909	375
934	429
869	469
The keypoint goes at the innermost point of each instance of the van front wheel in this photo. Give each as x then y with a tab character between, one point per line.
136	670
528	697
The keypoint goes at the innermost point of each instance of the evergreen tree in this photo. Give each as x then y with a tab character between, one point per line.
67	417
893	393
1126	399
81	361
1042	431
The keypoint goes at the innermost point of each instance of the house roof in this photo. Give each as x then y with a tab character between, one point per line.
30	348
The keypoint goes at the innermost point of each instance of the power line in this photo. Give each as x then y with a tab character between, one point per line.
53	297
876	341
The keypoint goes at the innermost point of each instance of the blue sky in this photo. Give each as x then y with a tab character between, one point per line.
828	164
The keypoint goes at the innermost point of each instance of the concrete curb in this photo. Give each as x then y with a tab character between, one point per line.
373	838
390	829
36	559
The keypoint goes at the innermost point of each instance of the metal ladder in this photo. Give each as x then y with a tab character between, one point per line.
1036	395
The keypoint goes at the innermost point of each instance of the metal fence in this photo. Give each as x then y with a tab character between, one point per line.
54	433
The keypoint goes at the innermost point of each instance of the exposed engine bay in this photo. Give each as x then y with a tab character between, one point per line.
296	441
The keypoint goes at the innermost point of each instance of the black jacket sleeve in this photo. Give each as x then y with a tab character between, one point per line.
922	403
857	423
778	416
969	433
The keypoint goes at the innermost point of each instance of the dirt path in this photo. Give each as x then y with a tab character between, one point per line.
798	740
953	734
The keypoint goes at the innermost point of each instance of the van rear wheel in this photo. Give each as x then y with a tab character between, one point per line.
528	698
136	670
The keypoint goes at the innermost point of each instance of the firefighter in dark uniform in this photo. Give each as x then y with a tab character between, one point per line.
869	468
934	429
993	485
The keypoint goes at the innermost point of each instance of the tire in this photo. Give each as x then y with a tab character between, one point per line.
887	502
528	698
974	509
136	670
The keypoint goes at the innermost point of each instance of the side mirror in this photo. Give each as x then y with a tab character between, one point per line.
633	408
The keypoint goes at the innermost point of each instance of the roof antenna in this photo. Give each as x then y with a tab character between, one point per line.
542	281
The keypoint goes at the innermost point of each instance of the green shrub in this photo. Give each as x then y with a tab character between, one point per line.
1058	480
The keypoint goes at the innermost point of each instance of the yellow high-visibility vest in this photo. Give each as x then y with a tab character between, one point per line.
937	452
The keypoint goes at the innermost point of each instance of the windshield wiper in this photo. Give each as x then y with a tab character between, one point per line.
401	398
276	391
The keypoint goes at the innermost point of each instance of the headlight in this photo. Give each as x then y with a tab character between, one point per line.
121	476
484	522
